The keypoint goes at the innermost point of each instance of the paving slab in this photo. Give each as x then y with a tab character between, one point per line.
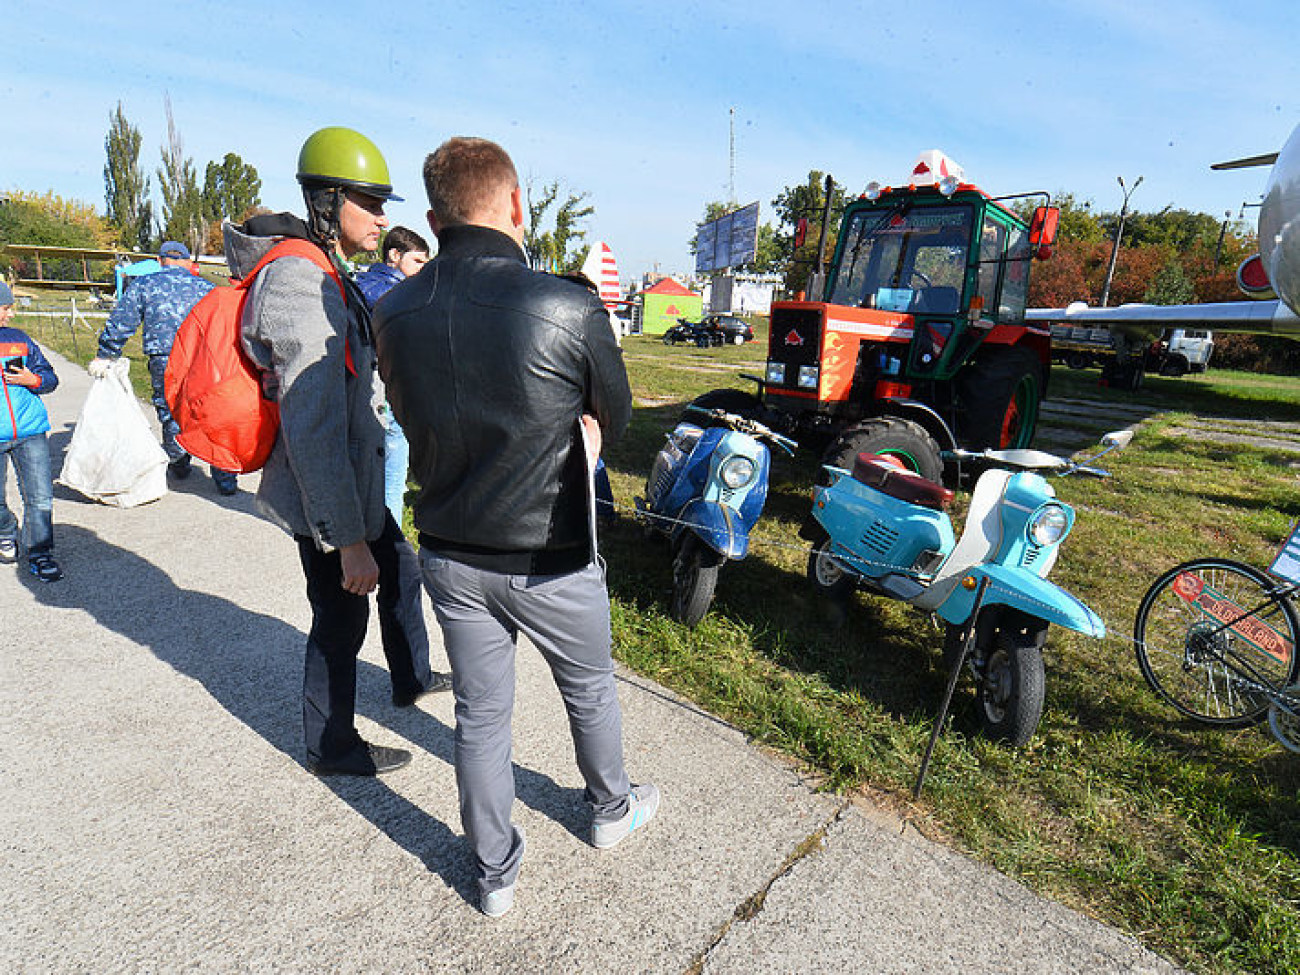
157	816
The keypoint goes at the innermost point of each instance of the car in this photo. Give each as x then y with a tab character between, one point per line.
712	330
729	329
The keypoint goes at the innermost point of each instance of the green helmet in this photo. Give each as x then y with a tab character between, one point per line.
336	156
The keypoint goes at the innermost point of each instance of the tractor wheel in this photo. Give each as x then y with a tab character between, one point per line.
1078	360
1000	394
892	436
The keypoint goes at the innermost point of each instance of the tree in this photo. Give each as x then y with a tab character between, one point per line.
1170	286
126	188
230	189
35	218
548	250
805	202
182	210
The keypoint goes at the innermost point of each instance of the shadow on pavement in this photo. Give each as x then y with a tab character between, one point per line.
251	664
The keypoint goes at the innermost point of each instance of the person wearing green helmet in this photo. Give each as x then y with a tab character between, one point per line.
309	333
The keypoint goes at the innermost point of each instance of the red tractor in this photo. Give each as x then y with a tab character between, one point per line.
913	340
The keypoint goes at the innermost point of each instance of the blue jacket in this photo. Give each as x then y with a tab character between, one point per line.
161	300
376	281
22	414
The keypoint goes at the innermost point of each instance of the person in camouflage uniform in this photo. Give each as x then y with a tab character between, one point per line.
160	301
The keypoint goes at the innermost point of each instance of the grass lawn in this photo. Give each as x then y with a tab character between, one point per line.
1185	836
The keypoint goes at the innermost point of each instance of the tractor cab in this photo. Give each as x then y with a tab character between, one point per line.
923	278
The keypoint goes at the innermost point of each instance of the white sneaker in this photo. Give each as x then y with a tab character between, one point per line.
496	903
8	550
643	803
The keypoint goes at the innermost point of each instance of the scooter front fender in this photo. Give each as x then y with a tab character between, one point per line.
1022	590
717	526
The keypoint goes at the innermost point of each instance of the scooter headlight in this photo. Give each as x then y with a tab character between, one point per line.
736	472
1048	525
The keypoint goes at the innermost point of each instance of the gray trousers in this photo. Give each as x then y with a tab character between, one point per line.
567	618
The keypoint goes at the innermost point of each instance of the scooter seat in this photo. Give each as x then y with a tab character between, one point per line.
886	475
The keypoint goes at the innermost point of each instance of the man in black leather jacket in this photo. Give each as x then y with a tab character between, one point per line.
505	380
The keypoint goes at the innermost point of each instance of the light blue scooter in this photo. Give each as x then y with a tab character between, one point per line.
705	492
886	529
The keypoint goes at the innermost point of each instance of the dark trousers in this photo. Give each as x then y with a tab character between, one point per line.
338	630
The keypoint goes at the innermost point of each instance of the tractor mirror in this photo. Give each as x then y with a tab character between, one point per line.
1042	231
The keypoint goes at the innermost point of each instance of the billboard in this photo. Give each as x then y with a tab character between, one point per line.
729	241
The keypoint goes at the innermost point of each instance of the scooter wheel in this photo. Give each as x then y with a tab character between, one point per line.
827	576
695	576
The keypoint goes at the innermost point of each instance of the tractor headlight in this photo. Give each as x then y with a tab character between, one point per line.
736	472
808	377
1048	525
776	372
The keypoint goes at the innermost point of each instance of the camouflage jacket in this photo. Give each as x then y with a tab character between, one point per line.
161	301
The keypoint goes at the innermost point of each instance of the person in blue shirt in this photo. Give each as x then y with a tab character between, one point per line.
405	252
25	374
160	301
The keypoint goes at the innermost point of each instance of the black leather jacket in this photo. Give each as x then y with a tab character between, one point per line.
488	366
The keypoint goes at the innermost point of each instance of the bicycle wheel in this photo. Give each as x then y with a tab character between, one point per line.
1216	639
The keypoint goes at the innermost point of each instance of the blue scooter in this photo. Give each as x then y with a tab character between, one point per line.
705	491
886	529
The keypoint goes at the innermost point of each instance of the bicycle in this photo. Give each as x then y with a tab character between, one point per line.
1216	639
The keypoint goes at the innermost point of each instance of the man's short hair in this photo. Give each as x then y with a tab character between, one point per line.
403	240
462	175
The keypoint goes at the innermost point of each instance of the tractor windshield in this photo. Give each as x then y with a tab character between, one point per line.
906	259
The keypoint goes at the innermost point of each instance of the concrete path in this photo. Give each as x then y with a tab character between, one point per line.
156	816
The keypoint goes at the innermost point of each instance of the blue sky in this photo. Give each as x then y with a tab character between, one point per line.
630	102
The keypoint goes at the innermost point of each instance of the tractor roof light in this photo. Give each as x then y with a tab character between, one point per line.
873	191
948	185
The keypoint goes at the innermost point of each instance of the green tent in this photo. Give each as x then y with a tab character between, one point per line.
666	302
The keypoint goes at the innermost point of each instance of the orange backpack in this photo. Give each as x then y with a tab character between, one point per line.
213	388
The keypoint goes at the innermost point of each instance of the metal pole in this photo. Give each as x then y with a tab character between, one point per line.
1223	232
957	665
1119	232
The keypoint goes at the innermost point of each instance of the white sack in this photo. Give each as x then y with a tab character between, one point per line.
114	456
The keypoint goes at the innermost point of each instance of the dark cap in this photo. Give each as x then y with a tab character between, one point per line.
174	249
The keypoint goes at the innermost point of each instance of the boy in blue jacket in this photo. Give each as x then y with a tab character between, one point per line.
25	375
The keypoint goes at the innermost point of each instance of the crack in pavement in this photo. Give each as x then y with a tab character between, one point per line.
752	906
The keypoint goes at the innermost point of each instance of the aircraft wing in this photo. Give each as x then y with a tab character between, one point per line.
1148	321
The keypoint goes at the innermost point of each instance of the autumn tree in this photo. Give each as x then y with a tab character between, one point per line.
126	187
182	209
50	220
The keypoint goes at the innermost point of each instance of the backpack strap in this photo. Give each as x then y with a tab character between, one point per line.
297	247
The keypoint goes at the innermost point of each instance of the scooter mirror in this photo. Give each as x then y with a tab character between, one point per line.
1117	439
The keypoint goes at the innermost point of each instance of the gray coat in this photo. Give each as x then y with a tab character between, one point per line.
325	475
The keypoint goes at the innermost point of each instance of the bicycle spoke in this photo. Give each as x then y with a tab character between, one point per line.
1216	639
